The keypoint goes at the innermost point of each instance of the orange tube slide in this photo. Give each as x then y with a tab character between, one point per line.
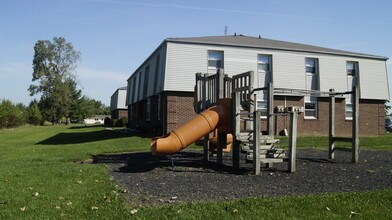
207	121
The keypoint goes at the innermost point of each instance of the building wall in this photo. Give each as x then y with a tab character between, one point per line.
180	110
288	68
119	113
371	117
137	88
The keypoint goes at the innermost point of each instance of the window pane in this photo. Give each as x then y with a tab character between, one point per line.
263	62
261	105
310	113
215	55
215	59
351	68
264	66
310	105
310	65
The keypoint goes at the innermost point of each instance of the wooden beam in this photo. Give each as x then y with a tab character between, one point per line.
293	141
256	142
331	134
355	121
270	109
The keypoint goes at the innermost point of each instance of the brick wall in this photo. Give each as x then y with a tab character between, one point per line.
119	113
180	110
177	109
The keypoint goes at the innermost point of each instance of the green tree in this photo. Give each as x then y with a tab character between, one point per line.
11	115
54	65
34	115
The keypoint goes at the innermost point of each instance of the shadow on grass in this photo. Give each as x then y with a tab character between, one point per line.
82	137
184	161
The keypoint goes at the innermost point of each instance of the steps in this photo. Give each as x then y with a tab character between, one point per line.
269	152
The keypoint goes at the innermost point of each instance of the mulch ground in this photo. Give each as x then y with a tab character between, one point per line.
149	180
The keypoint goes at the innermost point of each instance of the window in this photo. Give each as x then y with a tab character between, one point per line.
311	65
264	63
148	109
352	74
156	74
262	106
349	111
215	59
310	109
146	78
351	68
311	83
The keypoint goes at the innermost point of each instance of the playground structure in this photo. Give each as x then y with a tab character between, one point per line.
227	106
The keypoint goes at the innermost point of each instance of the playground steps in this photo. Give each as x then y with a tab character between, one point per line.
264	139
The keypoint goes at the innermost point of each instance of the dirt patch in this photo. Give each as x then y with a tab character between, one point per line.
186	177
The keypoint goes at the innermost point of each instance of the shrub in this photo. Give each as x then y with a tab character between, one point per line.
113	123
121	122
106	122
34	114
11	115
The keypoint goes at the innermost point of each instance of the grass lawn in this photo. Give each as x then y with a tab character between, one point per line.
42	177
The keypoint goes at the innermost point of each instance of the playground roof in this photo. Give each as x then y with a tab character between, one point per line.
264	43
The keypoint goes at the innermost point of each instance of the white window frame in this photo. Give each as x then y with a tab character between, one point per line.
263	107
307	109
260	62
211	58
311	99
351	79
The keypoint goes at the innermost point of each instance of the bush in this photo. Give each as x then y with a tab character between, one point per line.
121	122
11	115
113	123
107	121
34	115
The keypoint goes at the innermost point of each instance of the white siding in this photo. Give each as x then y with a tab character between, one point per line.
332	73
180	61
373	79
121	99
288	70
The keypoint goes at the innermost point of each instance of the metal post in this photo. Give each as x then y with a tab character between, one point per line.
256	142
355	121
293	141
331	134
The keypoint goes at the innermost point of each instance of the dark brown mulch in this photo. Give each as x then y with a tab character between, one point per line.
152	180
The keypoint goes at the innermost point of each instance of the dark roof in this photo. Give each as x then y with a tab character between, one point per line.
122	88
264	43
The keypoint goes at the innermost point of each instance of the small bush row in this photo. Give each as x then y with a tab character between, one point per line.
115	123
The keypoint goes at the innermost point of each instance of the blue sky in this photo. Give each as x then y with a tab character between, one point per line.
115	36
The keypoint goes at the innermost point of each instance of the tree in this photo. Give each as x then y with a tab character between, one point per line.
11	115
34	115
54	65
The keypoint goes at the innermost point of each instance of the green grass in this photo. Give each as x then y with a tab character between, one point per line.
42	177
370	205
46	160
